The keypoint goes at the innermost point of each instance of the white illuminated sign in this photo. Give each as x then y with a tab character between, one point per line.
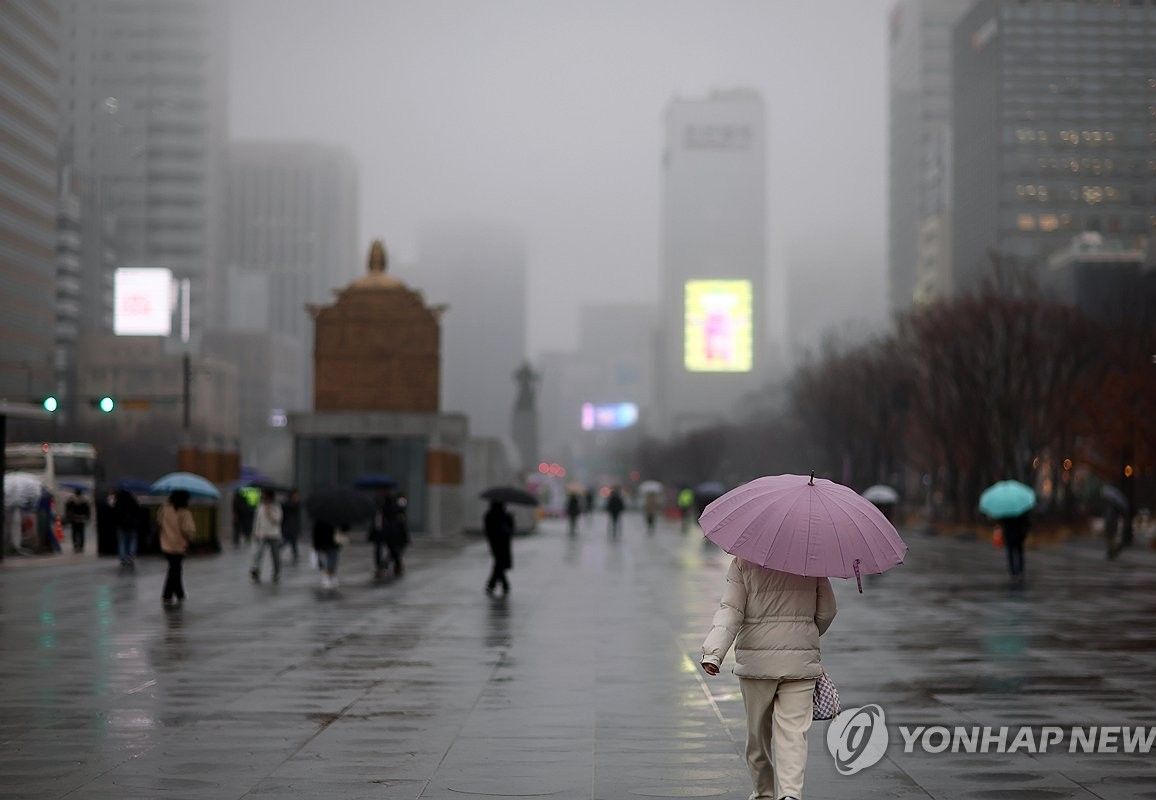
142	302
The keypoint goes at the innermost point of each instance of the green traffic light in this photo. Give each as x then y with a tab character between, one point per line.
50	404
106	404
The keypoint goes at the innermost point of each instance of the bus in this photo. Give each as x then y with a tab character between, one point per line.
60	466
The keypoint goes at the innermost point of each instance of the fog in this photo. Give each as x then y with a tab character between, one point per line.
547	117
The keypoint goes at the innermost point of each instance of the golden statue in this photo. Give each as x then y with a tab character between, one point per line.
378	258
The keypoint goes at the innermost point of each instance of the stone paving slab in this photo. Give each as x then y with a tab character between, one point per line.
581	684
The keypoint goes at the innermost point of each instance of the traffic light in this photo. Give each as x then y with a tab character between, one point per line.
104	404
50	403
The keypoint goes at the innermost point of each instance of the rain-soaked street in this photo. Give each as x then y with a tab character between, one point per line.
582	684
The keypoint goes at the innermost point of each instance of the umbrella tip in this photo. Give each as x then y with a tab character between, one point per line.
812	481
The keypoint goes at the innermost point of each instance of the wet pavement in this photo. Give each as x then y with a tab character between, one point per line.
582	684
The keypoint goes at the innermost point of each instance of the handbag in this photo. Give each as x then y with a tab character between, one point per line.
826	698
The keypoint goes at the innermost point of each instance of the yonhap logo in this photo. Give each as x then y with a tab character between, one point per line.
857	738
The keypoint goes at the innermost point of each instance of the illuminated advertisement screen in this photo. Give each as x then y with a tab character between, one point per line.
718	336
142	302
608	416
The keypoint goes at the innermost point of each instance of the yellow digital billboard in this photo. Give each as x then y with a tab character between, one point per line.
719	326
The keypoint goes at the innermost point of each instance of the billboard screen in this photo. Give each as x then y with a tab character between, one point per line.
719	326
608	416
142	302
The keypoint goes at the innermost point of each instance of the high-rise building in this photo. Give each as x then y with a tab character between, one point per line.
29	118
143	90
290	235
1054	130
714	256
478	269
919	157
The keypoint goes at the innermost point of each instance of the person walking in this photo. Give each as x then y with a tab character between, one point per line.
177	531
650	504
389	534
78	511
499	526
1015	531
243	516
126	511
266	535
291	523
614	508
777	619
327	547
573	512
685	506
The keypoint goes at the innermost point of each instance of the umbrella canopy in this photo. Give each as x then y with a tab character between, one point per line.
21	489
1114	496
806	527
1007	499
340	506
73	485
509	494
706	493
881	495
374	480
650	487
134	485
195	485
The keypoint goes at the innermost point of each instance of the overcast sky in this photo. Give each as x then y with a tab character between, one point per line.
547	115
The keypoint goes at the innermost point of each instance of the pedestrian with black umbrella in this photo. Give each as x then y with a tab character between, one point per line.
334	510
499	527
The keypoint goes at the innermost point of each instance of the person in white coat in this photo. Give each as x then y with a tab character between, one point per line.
266	536
774	620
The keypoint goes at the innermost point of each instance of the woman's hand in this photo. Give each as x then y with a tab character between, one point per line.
709	668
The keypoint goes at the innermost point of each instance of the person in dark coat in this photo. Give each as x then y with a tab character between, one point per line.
499	526
389	534
573	512
614	507
328	549
291	522
1015	530
78	512
126	511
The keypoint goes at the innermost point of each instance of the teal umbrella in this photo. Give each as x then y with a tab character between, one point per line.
188	482
1007	499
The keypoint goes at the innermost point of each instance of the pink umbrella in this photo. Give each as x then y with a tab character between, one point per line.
807	527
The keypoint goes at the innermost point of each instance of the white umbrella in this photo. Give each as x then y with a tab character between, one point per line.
881	495
650	487
21	489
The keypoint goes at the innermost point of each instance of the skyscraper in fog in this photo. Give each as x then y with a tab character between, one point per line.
919	152
144	118
714	257
290	231
290	237
479	269
28	198
1055	129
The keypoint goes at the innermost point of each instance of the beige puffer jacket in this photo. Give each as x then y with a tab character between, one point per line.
773	619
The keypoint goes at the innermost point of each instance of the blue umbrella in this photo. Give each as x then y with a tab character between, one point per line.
186	481
374	480
73	485
134	485
1007	499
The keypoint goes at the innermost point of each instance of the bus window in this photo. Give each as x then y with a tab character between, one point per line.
73	465
25	462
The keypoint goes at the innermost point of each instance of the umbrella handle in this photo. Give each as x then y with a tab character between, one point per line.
858	577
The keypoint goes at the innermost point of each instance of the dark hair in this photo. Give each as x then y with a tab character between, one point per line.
267	493
179	499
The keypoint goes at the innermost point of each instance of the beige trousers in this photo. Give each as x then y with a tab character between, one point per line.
778	718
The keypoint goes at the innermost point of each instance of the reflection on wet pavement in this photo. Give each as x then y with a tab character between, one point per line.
580	684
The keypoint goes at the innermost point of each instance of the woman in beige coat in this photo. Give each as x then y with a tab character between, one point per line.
177	531
774	620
